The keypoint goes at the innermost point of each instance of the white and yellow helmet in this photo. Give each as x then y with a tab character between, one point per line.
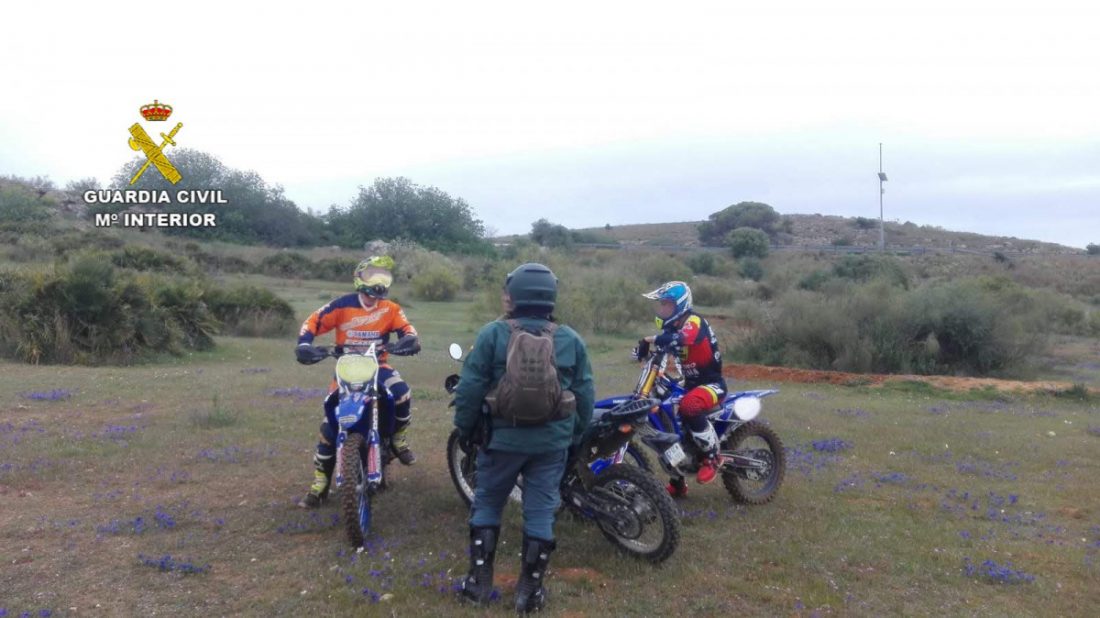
374	276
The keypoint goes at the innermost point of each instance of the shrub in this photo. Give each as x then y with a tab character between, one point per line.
21	204
144	259
753	215
287	264
712	292
866	267
814	280
707	263
864	223
436	283
31	248
1092	249
751	268
748	242
601	302
87	312
335	269
976	327
251	311
657	269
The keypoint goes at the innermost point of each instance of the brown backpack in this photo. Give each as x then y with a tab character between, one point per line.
529	393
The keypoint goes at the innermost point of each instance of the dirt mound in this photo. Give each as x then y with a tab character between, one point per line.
815	376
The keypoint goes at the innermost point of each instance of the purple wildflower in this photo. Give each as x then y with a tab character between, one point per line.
58	394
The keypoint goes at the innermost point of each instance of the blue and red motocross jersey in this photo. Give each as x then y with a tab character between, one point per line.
700	359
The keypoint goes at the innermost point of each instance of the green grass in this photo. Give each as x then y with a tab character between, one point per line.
879	528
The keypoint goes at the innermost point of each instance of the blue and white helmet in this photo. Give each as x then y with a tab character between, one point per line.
676	291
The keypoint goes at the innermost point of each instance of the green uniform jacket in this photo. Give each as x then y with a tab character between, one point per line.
484	368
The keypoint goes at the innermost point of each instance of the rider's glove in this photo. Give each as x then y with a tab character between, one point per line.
664	339
307	354
406	346
641	351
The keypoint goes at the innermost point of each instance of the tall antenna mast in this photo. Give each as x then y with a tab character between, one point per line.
881	192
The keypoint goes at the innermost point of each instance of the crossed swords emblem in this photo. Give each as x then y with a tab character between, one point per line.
154	153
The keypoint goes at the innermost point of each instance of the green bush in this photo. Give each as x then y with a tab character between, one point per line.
1093	249
31	248
866	267
753	215
747	242
77	241
751	268
814	280
712	292
21	204
214	263
601	302
703	263
436	283
144	259
87	312
658	269
287	264
335	269
972	327
251	311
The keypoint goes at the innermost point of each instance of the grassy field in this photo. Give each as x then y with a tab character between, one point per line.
169	488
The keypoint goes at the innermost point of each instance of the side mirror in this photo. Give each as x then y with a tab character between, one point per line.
455	351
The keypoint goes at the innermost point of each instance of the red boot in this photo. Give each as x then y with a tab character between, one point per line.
677	488
708	470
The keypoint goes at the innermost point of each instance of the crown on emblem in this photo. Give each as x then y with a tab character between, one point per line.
156	111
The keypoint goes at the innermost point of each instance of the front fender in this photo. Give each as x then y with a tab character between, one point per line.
349	411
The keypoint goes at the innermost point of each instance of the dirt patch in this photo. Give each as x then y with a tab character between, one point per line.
507	582
816	376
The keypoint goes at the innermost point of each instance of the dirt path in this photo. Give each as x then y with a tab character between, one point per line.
815	376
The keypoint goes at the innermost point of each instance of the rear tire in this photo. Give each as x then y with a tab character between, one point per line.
463	469
355	499
743	485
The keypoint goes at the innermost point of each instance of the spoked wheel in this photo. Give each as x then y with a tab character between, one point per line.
355	498
643	521
463	469
754	464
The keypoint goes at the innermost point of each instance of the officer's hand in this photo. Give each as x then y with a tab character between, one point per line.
467	442
308	354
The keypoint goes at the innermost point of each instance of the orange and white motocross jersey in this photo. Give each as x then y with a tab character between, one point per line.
355	324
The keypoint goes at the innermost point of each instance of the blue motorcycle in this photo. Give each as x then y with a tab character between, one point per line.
752	455
362	453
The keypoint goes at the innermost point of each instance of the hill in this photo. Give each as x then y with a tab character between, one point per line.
829	230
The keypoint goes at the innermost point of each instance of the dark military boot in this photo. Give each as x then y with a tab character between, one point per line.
477	587
530	594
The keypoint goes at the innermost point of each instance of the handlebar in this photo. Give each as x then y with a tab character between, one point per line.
340	350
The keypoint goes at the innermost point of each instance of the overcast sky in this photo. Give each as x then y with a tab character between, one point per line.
589	113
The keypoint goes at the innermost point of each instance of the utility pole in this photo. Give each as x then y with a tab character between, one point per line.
881	191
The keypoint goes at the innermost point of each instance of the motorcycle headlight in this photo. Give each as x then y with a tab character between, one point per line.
746	408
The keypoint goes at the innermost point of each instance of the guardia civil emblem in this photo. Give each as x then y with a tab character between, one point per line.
154	154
